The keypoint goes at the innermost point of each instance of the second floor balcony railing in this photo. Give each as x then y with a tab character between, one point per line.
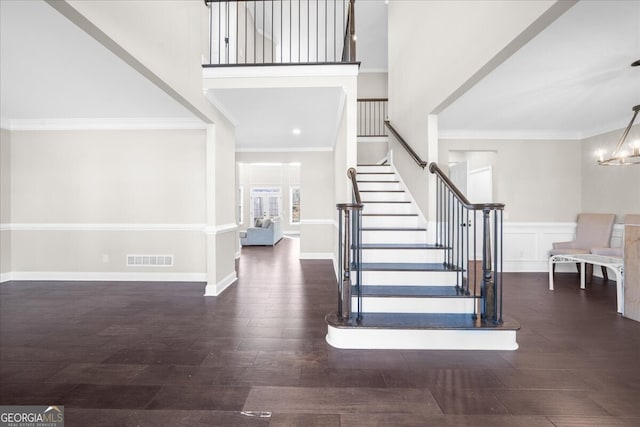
271	32
372	113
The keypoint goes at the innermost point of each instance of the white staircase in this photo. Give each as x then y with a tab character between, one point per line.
411	299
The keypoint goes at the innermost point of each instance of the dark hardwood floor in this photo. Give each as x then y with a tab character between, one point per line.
161	354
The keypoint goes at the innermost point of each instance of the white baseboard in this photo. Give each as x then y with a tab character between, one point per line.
316	255
212	290
103	276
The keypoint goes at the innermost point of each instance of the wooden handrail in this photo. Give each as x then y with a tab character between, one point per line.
351	173
435	169
406	145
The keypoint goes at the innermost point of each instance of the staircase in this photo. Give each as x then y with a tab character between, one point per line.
412	295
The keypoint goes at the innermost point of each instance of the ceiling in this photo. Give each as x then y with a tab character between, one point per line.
51	69
262	124
572	80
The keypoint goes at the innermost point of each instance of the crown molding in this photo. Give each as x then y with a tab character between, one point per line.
283	149
504	135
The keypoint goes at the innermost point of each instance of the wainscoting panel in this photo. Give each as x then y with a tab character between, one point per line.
527	244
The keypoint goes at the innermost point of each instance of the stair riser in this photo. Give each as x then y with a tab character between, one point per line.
373	169
394	236
421	339
388	208
403	255
410	278
415	305
376	176
383	196
379	186
391	221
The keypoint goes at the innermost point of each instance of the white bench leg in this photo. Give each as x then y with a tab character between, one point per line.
619	291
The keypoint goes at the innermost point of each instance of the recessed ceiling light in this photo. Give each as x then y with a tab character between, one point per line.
296	131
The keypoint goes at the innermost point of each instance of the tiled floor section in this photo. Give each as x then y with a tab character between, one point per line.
161	354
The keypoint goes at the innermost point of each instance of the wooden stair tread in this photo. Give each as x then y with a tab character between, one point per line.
393	229
407	266
401	246
386	201
394	291
390	214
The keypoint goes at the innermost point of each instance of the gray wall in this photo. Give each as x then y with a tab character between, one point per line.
5	200
373	85
85	199
608	189
538	181
554	180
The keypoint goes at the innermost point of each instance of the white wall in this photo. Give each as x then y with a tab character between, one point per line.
5	202
80	201
221	202
609	189
431	61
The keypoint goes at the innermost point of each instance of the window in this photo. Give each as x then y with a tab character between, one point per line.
294	198
240	205
265	202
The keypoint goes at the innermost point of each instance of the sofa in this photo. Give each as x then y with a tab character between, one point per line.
266	232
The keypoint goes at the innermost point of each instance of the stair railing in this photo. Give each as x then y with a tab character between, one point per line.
416	158
350	252
455	217
372	113
274	32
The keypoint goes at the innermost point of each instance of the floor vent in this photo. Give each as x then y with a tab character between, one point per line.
149	260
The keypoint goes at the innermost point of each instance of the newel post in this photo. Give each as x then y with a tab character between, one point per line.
488	291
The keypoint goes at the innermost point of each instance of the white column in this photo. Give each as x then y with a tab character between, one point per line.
210	231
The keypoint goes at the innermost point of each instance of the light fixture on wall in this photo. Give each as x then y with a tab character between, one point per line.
622	155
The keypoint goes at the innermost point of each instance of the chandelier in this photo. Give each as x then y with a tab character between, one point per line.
622	155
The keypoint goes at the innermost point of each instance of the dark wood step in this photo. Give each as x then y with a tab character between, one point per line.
419	321
396	291
408	266
379	182
401	246
393	229
376	173
390	214
381	191
386	201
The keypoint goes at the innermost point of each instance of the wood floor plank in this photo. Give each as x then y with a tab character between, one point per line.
146	353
